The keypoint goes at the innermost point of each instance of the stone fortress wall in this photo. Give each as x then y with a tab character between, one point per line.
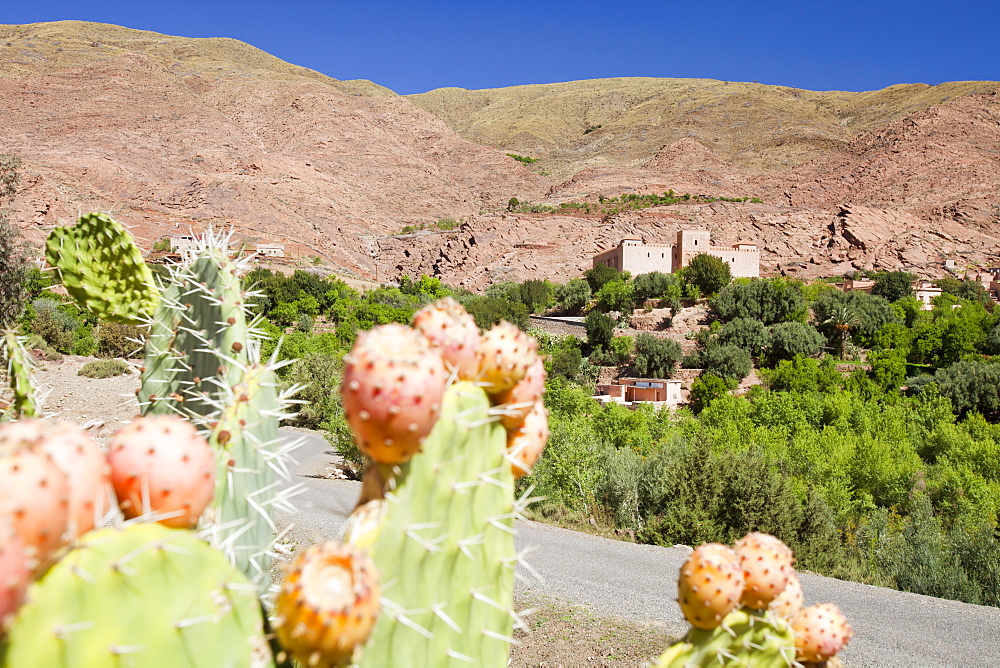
636	257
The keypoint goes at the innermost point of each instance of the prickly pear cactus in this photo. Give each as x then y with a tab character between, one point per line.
250	473
19	367
102	268
198	341
144	595
449	518
746	638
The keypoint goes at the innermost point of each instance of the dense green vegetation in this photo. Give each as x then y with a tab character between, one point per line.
625	202
884	468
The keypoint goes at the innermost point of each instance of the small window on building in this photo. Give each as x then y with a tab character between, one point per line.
695	242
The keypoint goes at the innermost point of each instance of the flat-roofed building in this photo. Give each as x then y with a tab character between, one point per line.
636	257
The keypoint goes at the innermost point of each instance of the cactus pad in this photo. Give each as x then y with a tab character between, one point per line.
102	269
445	551
19	367
145	595
746	638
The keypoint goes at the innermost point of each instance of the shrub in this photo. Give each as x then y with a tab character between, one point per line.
706	388
616	295
489	311
574	295
319	375
536	295
749	334
119	340
600	329
655	357
103	369
622	347
728	362
708	273
789	339
601	274
53	324
768	300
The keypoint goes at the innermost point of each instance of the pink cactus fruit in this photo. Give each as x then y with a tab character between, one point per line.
820	632
519	400
505	355
34	503
328	604
710	585
393	385
525	444
15	574
788	603
767	564
79	457
452	331
161	464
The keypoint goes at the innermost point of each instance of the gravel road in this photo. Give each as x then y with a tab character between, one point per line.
638	583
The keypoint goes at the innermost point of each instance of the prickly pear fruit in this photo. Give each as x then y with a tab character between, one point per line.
35	502
505	355
161	464
789	601
76	453
519	400
710	585
451	330
392	390
766	564
328	604
525	445
820	632
15	573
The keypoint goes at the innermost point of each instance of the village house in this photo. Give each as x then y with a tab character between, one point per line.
270	250
636	257
630	391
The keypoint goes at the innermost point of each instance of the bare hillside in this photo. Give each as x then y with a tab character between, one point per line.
624	122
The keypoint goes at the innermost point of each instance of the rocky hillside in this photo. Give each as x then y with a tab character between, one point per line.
170	133
624	122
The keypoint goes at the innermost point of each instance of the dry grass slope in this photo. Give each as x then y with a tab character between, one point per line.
753	125
41	48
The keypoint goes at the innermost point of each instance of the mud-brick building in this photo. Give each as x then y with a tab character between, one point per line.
636	257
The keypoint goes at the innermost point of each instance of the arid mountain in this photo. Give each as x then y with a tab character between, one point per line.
171	133
624	122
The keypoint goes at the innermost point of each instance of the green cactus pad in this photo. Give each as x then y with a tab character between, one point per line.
143	596
445	551
19	368
102	269
246	443
746	638
197	346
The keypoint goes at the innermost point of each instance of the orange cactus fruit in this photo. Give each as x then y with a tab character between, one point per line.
767	565
505	355
525	444
519	400
710	585
393	385
328	604
451	329
820	632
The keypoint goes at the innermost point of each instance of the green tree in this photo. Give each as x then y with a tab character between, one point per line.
708	273
893	285
573	296
842	320
655	357
488	311
601	274
536	295
888	368
789	339
705	389
971	386
873	312
749	334
13	248
600	329
728	362
616	295
769	300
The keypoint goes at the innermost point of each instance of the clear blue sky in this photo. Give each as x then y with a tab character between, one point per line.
412	46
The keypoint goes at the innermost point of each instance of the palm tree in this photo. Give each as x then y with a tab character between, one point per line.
843	320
